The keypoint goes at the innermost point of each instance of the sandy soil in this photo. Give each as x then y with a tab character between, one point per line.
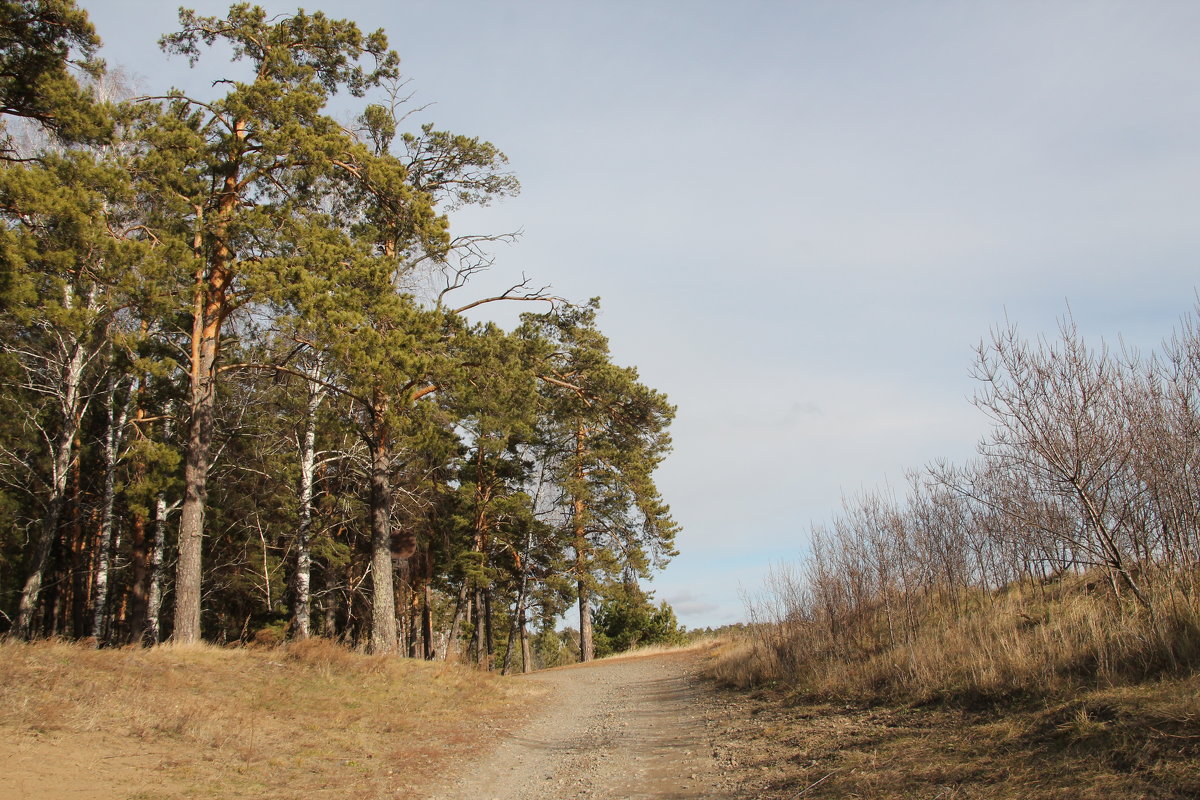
94	766
635	729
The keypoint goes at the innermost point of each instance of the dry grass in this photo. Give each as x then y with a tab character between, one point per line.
313	717
703	645
1133	742
1023	641
1035	692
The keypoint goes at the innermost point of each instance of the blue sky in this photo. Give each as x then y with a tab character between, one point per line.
801	216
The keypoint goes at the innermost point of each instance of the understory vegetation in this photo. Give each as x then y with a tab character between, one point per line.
1066	556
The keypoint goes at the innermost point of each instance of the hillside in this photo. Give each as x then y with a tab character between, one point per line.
1119	743
1031	691
311	720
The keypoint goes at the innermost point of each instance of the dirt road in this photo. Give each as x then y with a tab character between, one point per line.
637	728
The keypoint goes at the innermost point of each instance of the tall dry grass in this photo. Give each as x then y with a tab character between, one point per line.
702	645
1020	640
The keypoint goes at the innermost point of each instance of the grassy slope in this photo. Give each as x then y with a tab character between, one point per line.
311	720
1032	694
1115	744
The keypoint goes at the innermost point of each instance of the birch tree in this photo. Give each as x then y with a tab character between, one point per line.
74	261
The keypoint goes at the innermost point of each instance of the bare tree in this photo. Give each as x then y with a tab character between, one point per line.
1059	421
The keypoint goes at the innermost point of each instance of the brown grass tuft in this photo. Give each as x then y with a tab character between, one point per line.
324	654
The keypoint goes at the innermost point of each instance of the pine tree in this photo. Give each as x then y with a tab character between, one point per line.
42	44
240	179
495	403
605	433
388	349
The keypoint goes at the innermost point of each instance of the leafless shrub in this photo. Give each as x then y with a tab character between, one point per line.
1069	550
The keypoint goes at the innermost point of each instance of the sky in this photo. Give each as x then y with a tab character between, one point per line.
801	217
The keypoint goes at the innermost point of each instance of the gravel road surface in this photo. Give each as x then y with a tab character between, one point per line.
635	728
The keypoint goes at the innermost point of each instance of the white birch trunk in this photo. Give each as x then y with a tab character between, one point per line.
116	422
157	546
71	406
302	577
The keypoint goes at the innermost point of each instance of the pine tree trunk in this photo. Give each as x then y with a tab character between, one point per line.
526	650
427	617
195	496
209	307
587	648
383	610
208	311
